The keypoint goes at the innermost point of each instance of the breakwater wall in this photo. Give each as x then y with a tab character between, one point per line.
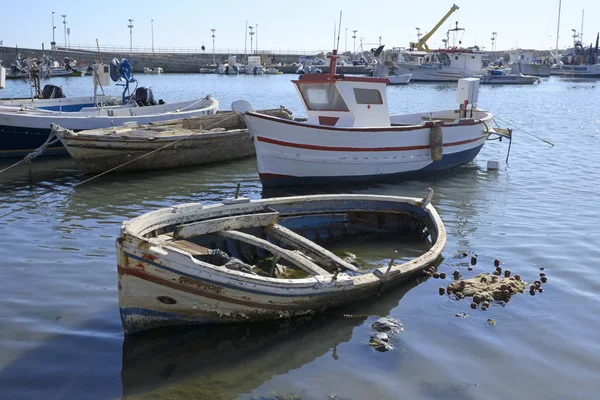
169	62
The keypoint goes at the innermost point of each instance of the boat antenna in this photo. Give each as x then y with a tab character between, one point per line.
338	33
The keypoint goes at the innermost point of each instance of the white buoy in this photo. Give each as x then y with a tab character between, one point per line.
493	165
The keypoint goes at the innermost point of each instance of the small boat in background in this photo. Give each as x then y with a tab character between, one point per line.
254	66
504	77
160	145
156	71
244	261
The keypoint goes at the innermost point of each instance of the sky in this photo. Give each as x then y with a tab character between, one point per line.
298	25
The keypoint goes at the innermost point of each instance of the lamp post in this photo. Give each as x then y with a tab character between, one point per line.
256	47
213	37
53	44
380	40
130	26
354	37
251	35
493	44
69	37
152	33
64	16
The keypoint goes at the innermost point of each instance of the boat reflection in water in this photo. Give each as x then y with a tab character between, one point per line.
224	361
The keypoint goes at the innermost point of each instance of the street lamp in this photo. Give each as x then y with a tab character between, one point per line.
152	32
53	44
354	37
493	44
130	26
69	36
213	37
251	35
64	16
256	47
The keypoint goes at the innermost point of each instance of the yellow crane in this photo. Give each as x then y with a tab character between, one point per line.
421	45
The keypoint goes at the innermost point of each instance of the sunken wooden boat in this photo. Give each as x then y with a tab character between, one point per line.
177	143
243	260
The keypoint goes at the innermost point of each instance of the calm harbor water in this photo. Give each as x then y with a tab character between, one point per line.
60	332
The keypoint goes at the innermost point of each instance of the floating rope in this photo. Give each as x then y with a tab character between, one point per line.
523	130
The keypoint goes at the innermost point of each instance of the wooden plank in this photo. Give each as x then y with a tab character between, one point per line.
186	231
295	258
315	251
192	248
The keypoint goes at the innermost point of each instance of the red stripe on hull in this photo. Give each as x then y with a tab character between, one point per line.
356	149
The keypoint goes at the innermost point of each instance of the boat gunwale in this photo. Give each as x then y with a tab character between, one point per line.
381	274
392	128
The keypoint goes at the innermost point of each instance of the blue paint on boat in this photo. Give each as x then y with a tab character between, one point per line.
68	108
448	162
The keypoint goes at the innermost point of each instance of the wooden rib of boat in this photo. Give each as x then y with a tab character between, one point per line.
245	260
170	144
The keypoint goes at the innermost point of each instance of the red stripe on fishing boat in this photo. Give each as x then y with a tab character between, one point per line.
356	149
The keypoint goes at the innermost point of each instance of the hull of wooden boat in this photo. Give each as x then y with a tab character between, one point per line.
292	153
21	132
160	285
95	154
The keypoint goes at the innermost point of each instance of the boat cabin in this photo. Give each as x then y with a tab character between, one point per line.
463	59
344	101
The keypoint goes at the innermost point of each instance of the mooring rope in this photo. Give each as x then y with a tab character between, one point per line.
524	131
55	129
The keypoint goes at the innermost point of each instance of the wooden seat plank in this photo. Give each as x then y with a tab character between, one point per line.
315	251
295	258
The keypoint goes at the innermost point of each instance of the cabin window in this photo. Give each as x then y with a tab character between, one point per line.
456	57
322	97
367	96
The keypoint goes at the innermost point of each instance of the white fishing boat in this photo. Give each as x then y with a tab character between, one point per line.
445	65
154	71
525	62
349	135
244	261
160	145
231	67
580	62
254	66
24	130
